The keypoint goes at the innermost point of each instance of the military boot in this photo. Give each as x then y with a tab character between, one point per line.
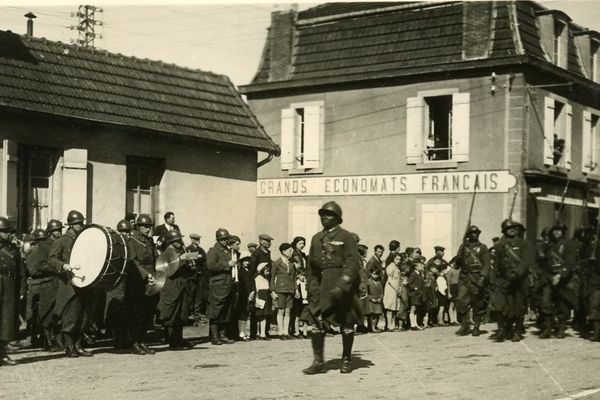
476	324
347	342
596	335
318	364
80	350
560	330
546	328
465	326
4	358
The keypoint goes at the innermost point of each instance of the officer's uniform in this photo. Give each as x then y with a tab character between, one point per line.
558	295
473	260
12	286
512	262
221	293
43	287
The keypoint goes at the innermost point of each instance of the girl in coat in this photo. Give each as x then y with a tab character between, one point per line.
391	292
416	285
263	301
374	295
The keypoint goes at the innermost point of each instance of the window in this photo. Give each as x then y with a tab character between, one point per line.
594	60
437	128
557	133
142	186
558	43
591	143
304	219
302	127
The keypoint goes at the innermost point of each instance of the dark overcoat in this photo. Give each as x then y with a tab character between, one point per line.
221	296
12	286
174	303
60	253
43	284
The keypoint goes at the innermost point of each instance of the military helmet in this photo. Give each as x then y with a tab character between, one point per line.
144	220
222	234
5	225
74	217
40	234
54	225
508	223
123	226
172	236
333	208
559	226
473	228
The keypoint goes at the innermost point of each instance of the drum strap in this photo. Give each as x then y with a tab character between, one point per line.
139	241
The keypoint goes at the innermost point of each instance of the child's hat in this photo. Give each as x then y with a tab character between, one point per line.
284	246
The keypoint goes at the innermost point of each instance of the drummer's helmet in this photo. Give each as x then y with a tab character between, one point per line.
39	235
144	220
172	236
222	234
123	226
5	225
74	217
508	223
333	208
54	225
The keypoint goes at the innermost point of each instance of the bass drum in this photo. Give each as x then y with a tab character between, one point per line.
101	255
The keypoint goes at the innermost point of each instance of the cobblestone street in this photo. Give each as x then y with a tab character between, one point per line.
395	365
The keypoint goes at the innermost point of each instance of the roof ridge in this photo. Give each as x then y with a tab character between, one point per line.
111	54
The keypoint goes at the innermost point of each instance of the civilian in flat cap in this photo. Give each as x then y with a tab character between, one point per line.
333	280
199	281
283	284
437	261
252	247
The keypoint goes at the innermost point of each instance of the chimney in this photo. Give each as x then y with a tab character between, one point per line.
30	16
281	38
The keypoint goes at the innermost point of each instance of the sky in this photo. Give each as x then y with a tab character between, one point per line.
218	36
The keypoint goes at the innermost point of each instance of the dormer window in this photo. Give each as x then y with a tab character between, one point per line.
559	27
594	60
554	34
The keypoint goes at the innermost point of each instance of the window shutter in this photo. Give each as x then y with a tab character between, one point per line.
414	130
312	136
587	147
568	141
287	138
460	126
548	130
9	187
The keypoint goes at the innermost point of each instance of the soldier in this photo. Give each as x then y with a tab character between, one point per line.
558	298
513	259
12	288
437	261
125	308
72	303
144	257
221	296
174	304
43	286
200	281
473	260
332	283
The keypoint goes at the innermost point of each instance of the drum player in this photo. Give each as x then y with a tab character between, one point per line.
72	303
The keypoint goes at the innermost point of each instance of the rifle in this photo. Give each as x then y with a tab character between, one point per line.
468	225
562	200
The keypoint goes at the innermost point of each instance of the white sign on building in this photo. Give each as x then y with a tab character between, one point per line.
500	181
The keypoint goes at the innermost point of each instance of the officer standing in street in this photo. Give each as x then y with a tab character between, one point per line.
144	257
513	259
71	303
12	288
221	295
332	283
199	298
558	297
473	260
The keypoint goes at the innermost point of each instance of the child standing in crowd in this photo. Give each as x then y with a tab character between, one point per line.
245	297
416	284
374	295
403	302
263	302
391	293
283	284
300	301
452	274
442	296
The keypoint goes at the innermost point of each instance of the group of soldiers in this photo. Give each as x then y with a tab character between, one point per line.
555	277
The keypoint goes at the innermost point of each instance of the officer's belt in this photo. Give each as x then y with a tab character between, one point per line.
557	260
472	256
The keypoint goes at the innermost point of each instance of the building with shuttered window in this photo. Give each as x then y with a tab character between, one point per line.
401	111
108	134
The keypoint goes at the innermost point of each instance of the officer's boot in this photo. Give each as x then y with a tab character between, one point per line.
318	364
596	336
476	324
498	336
4	358
214	333
80	350
69	346
516	333
465	326
560	330
546	327
347	342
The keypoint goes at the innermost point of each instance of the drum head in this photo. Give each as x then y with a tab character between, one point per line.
89	253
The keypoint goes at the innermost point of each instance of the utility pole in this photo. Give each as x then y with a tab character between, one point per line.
86	25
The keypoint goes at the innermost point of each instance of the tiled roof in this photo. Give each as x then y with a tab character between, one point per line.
65	80
334	42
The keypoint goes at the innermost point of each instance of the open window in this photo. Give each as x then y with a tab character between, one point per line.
437	128
302	127
557	133
591	143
